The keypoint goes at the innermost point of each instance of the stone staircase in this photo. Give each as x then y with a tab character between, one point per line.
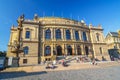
72	59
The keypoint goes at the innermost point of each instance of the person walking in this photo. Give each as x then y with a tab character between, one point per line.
94	62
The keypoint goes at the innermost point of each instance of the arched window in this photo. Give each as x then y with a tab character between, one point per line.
100	50
27	34
76	35
26	49
86	50
84	36
68	35
79	50
69	50
59	50
97	36
58	34
48	34
47	51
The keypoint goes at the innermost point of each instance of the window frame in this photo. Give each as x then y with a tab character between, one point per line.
68	35
26	50
47	51
58	34
48	34
84	36
77	35
27	35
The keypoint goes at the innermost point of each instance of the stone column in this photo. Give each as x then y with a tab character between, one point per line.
80	35
35	31
43	50
81	32
65	48
54	37
52	50
87	36
73	49
102	39
83	49
43	34
76	49
71	32
52	34
75	46
64	35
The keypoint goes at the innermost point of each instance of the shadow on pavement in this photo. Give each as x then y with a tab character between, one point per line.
8	75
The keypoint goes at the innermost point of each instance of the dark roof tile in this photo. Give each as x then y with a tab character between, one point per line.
114	34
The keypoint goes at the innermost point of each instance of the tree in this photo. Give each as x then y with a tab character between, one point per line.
2	53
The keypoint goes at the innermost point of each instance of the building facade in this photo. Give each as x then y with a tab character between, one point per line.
45	38
113	42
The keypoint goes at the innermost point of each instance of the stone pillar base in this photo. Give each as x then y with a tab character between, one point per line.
28	61
104	58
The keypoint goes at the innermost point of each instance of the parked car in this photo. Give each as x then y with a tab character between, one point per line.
2	63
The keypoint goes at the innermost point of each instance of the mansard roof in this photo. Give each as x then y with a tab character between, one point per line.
115	34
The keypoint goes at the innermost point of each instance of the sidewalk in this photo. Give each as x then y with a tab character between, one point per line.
72	66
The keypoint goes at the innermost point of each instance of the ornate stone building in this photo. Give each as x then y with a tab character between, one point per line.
113	43
113	40
45	38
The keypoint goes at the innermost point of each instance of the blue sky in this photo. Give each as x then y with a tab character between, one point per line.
104	12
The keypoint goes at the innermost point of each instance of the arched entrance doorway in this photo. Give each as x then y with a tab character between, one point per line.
79	50
69	50
59	50
86	50
47	51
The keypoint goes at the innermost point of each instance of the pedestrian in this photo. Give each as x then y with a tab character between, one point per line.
52	66
48	66
94	62
54	62
65	56
77	59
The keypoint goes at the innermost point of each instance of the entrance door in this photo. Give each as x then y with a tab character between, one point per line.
59	50
69	50
78	50
86	50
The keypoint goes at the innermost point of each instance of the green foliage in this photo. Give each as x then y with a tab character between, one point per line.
2	53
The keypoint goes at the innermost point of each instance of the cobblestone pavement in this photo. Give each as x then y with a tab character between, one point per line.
102	73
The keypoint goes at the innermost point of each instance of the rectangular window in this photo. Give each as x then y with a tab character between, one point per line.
84	36
27	35
24	61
